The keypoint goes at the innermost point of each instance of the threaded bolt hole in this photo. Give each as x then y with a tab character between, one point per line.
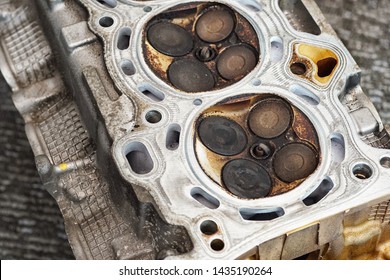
106	22
153	116
385	162
298	68
362	171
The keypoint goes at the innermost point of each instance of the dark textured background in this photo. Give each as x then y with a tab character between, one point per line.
31	226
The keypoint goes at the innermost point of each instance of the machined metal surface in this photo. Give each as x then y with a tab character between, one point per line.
256	125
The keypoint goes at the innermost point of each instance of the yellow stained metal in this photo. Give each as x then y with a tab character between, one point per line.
316	55
63	166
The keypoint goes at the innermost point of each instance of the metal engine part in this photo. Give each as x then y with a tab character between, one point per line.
199	130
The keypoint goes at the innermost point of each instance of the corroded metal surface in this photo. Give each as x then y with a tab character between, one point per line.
198	28
232	129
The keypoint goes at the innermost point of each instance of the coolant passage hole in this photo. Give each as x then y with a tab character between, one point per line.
205	198
261	214
385	162
326	66
320	192
127	67
108	3
217	245
298	68
153	116
139	158
106	22
172	141
209	227
123	42
362	171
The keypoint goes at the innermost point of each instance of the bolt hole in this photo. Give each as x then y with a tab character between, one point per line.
148	9
153	116
298	68
106	22
385	162
362	171
209	227
198	102
217	245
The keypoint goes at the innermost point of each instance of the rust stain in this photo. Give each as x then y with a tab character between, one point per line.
309	66
157	60
186	15
315	59
303	128
245	32
238	109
